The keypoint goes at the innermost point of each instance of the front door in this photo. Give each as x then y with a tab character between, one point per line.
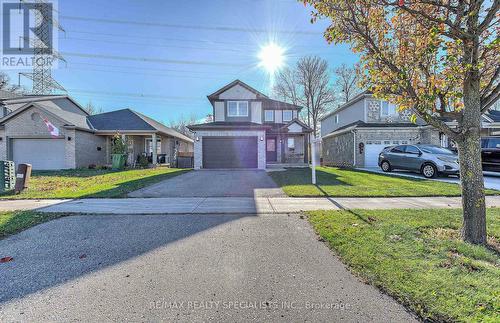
271	151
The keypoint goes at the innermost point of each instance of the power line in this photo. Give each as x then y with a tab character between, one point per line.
150	74
186	26
208	42
239	51
155	69
153	60
138	95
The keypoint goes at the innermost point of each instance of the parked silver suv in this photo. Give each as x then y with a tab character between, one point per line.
428	160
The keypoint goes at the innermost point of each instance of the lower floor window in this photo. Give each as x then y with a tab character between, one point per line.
291	143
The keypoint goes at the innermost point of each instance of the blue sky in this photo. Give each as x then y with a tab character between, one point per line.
163	57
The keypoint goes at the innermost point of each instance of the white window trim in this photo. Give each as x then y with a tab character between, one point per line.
389	104
238	109
265	119
291	114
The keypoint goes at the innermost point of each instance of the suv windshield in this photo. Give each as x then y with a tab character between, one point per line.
436	150
493	143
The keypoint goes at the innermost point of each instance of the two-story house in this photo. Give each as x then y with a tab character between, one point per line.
355	133
249	130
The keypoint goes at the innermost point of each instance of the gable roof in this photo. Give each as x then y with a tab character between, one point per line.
271	104
212	96
130	120
68	118
38	98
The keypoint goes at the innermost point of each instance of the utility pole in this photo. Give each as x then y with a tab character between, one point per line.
43	58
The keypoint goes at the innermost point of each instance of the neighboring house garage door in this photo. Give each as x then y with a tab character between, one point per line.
230	152
43	154
372	150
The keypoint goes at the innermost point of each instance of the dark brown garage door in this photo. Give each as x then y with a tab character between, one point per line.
230	152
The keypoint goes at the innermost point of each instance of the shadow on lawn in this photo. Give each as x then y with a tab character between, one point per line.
120	189
302	176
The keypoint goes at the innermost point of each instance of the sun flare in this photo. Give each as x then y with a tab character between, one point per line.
272	57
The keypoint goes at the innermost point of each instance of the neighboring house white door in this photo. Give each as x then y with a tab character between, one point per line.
42	154
372	150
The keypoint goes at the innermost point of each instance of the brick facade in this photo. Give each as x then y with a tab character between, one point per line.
338	150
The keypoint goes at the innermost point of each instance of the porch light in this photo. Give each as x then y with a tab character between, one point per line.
197	138
261	138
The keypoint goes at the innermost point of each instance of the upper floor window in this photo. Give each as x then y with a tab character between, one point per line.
287	115
388	109
336	118
269	115
237	108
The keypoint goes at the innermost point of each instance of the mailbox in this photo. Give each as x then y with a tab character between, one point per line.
23	177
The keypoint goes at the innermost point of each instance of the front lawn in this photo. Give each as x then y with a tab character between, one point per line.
338	182
16	221
84	183
417	257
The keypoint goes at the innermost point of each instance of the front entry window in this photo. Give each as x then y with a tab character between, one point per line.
291	143
271	145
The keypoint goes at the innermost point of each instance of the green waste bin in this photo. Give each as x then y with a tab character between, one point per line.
7	175
119	161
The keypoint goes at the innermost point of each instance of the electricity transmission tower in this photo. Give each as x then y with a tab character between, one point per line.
41	77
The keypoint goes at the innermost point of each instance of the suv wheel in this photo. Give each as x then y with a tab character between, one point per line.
386	167
429	171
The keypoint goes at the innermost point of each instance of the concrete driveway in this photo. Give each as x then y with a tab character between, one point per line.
182	268
215	183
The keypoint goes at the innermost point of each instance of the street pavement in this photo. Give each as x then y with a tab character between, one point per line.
187	268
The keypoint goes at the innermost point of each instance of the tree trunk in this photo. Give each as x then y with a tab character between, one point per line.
471	172
473	200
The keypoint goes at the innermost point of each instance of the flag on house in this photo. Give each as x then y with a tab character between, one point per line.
54	132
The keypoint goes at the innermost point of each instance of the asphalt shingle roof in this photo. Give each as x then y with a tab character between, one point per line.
129	120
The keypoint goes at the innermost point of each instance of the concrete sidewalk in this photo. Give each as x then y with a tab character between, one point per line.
232	205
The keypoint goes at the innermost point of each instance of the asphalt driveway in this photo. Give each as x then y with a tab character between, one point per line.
215	183
182	268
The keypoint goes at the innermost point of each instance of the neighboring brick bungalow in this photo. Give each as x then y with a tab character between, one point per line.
83	139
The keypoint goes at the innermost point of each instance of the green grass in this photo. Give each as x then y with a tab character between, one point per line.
417	257
86	183
347	182
16	221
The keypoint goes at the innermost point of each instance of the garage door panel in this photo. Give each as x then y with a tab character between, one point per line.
230	152
42	154
371	154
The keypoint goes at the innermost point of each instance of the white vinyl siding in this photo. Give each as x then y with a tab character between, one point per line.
219	111
237	108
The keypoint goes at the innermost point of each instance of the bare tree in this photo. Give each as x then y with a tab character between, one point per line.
308	84
181	124
92	109
287	86
6	86
347	82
